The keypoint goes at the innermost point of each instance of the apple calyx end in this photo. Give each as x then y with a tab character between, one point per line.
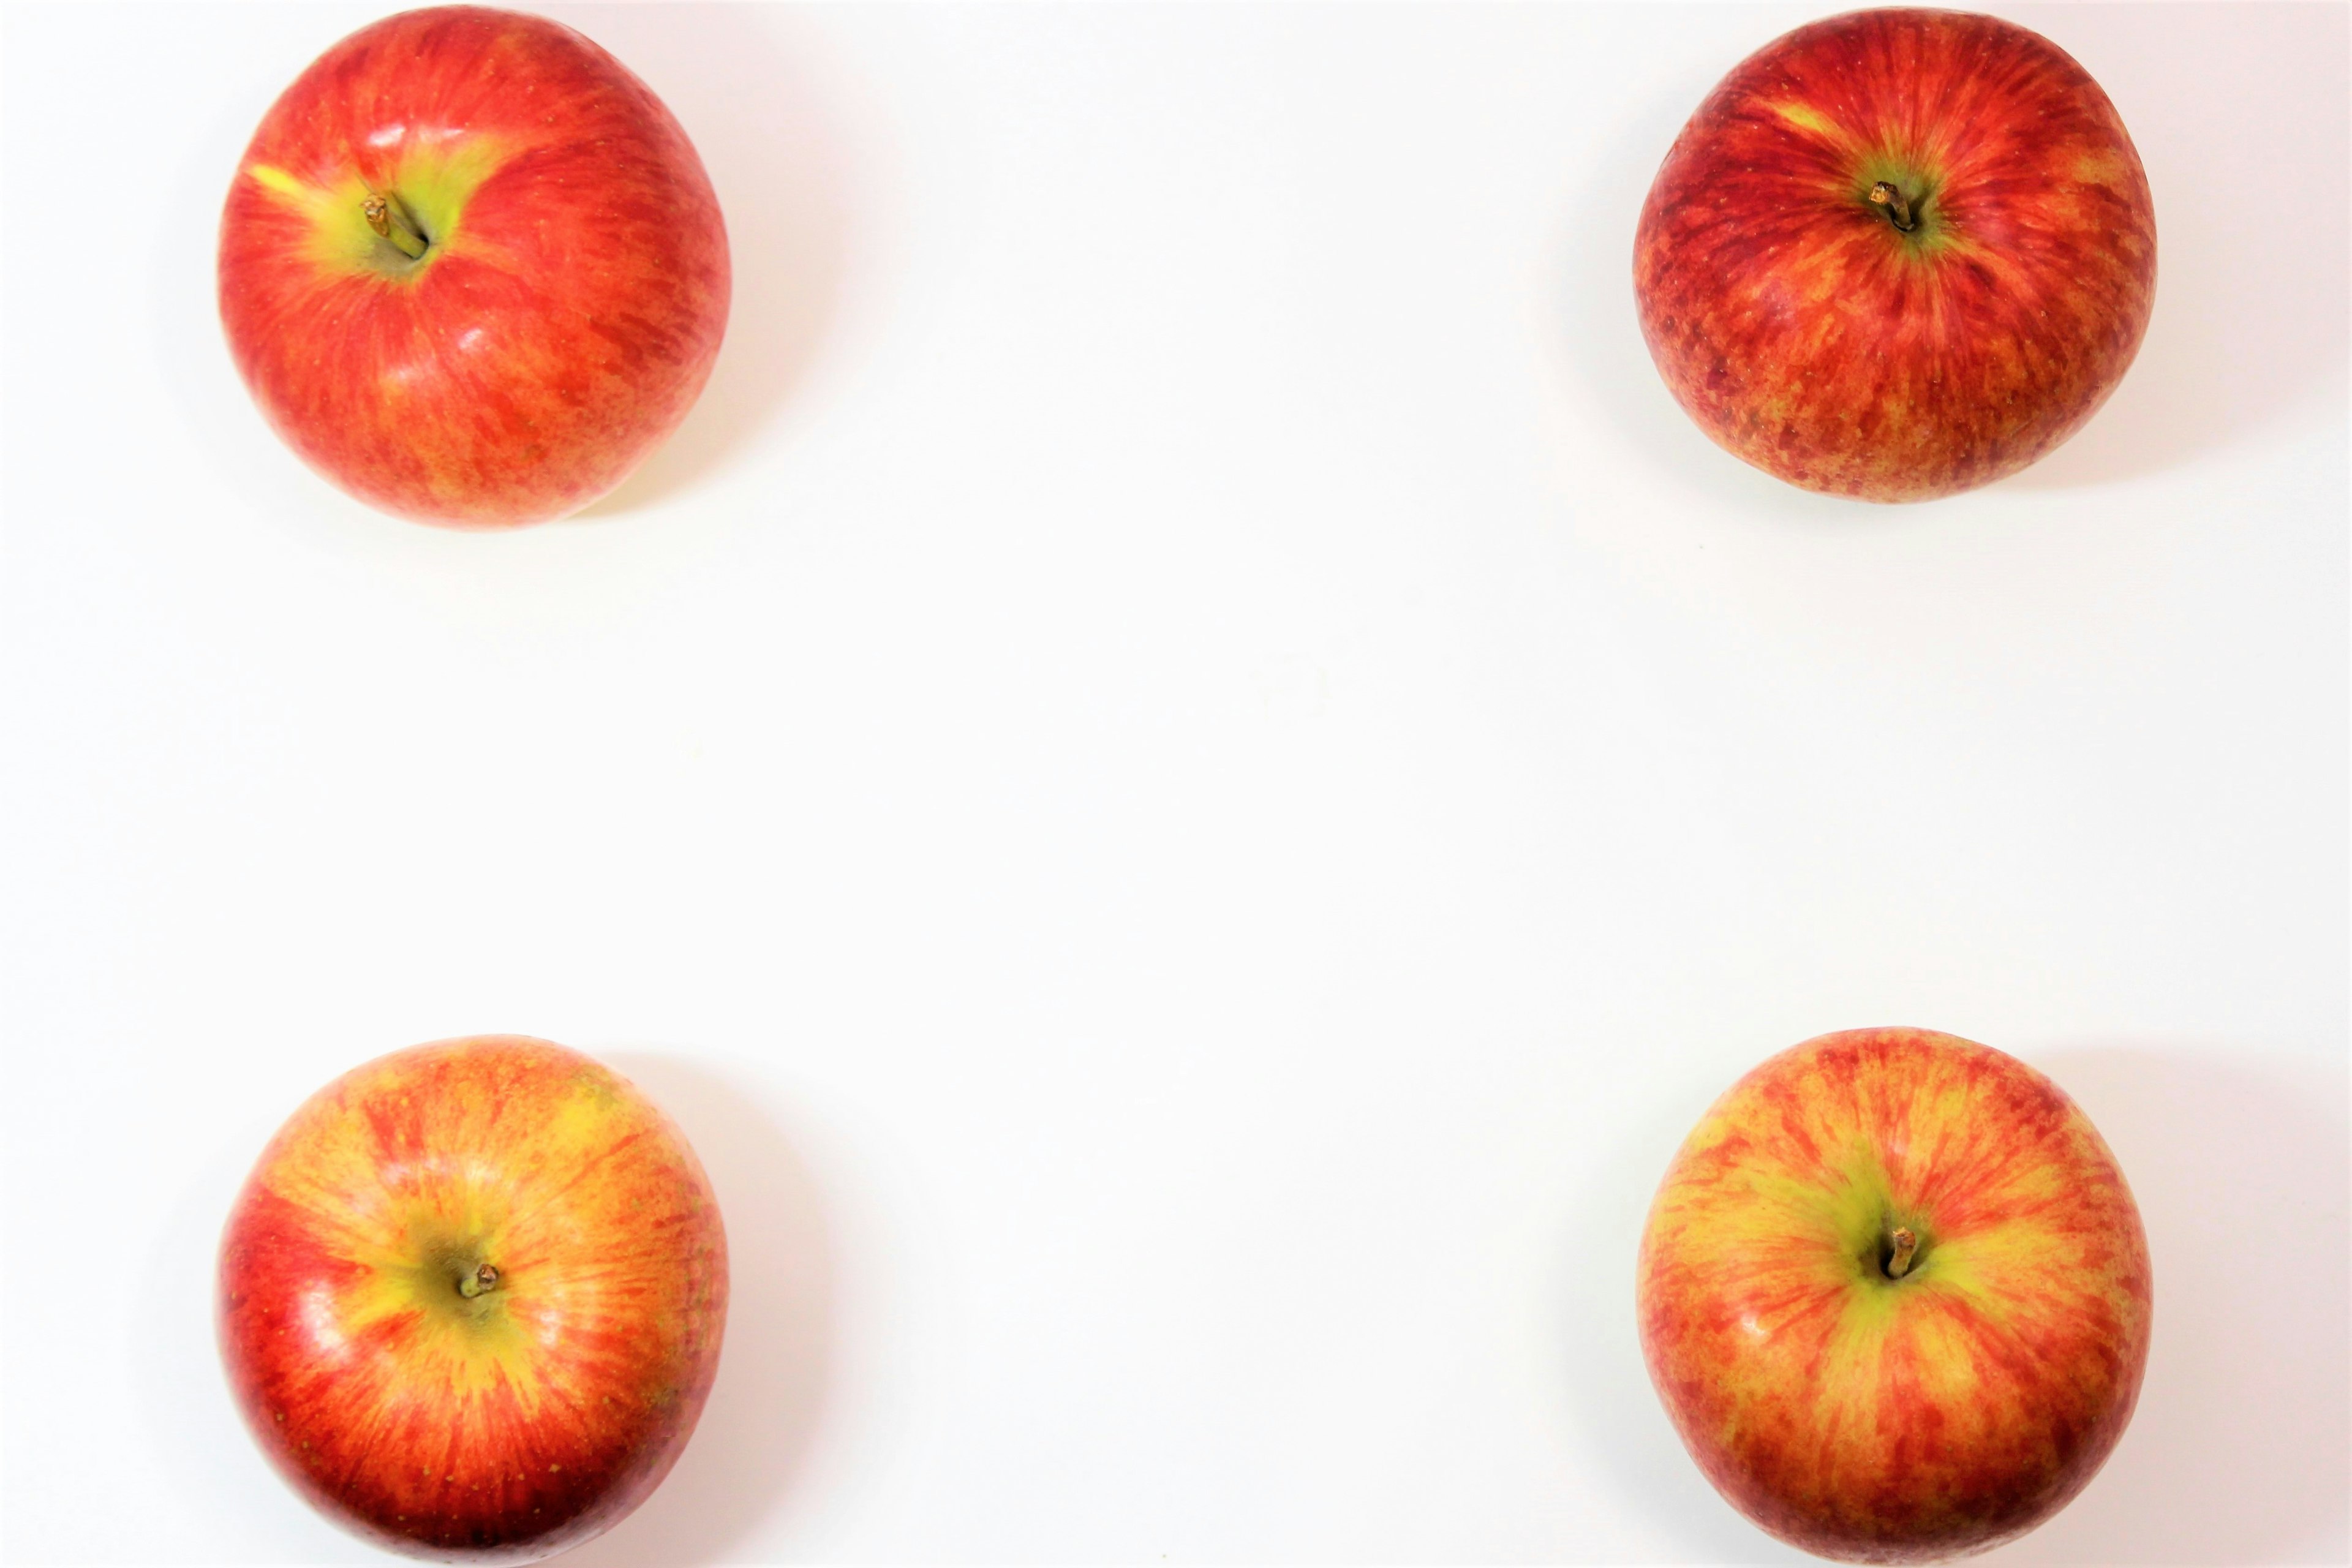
1904	1242
1898	210
480	1281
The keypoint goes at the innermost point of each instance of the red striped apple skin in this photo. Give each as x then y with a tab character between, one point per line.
1808	336
563	319
514	1422
1909	1419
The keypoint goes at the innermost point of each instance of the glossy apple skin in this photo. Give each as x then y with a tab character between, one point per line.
563	319
1896	1420
527	1418
1808	336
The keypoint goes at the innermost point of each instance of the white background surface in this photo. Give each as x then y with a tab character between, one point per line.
1185	777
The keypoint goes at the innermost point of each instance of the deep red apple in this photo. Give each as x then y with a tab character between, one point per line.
1897	253
471	269
471	1298
1895	1296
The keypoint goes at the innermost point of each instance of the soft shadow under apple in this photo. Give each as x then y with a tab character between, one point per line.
2241	1451
774	1371
749	86
2250	305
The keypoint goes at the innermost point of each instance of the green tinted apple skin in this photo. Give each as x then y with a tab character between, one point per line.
471	1300
1873	1399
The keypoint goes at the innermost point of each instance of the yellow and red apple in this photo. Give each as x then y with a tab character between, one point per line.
1895	1296
471	1298
471	269
1897	253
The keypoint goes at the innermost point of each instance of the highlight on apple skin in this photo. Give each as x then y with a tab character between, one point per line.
471	1298
1897	253
1895	1296
471	269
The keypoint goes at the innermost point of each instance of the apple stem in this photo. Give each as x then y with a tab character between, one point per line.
390	221
1884	195
1905	1244
485	1278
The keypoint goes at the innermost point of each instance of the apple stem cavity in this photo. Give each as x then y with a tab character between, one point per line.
1898	210
390	221
481	1280
1904	1241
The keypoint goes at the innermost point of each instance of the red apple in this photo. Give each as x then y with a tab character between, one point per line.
471	1298
1897	253
471	270
1894	1295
